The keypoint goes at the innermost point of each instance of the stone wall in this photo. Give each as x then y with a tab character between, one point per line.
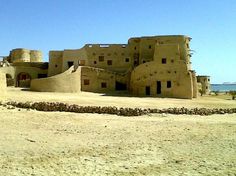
63	107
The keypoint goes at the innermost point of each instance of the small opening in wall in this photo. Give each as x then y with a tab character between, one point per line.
148	90
70	63
95	62
56	65
109	62
150	46
168	84
172	60
126	59
42	75
104	46
104	85
101	58
163	60
86	82
135	48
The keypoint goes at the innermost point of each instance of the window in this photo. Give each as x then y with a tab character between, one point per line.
144	61
172	60
135	48
42	75
163	60
104	85
70	63
109	62
86	82
206	87
209	80
95	62
126	59
101	58
56	65
150	47
168	84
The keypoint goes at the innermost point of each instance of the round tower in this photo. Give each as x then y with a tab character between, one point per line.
20	55
36	56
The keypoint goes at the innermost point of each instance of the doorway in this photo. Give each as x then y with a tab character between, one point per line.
23	80
158	87
148	90
120	86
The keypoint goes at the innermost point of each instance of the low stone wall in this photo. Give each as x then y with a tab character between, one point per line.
56	106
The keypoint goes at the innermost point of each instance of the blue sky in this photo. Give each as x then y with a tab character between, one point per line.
69	24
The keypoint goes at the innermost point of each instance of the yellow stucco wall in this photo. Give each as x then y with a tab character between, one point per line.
2	84
55	63
69	81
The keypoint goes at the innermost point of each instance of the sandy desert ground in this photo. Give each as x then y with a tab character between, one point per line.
59	143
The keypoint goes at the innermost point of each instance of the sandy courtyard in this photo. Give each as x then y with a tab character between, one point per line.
58	143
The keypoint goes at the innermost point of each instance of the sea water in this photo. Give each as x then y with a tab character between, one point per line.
223	87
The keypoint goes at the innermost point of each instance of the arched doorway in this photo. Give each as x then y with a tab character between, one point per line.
10	80
23	80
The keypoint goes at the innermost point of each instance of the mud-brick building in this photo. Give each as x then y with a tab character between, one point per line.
23	65
204	82
157	66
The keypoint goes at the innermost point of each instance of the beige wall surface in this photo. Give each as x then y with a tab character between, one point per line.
149	73
97	80
101	80
55	63
3	84
69	81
